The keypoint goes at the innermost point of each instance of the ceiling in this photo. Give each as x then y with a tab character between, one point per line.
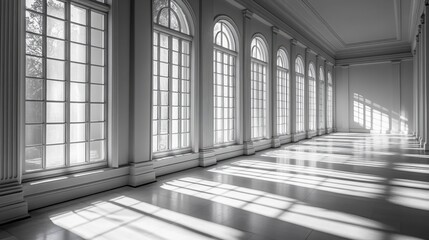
351	28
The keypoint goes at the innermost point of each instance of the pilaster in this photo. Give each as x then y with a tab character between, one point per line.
12	203
247	125
206	102
274	90
306	95
141	167
293	50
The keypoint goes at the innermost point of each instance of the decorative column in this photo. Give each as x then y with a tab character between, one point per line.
206	118
318	63
141	165
418	110
396	81
306	95
334	99
274	94
325	115
421	88
293	50
246	84
424	20
12	47
415	94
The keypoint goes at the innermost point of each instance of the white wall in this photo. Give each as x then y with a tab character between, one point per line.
375	97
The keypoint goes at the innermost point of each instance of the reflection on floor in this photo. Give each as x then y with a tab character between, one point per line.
341	186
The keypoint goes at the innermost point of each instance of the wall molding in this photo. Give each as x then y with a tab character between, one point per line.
375	59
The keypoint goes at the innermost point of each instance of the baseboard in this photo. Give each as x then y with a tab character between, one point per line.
12	203
40	194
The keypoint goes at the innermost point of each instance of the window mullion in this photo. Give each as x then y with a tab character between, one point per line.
170	91
67	39
88	88
44	75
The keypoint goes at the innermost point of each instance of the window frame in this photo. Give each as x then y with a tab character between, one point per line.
312	113
283	93
299	95
232	52
262	62
330	104
322	97
90	6
171	33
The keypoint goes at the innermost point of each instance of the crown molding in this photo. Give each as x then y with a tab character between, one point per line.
375	59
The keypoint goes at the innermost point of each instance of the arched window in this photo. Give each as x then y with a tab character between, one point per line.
282	92
299	78
171	77
224	80
311	97
259	59
330	110
321	98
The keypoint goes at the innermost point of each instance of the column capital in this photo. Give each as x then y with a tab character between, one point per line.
426	2
247	14
293	42
275	29
422	19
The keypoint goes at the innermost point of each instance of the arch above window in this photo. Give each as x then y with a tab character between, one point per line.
169	13
322	74
224	35
282	59
299	65
311	71
259	49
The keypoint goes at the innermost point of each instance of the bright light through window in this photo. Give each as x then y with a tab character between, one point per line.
171	78
329	100
321	98
283	118
259	88
65	86
224	78
311	98
299	75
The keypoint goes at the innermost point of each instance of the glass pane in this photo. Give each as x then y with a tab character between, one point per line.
33	112
55	69
55	28
97	131
97	152
97	74
97	20
33	135
36	5
55	133
97	112
78	15
77	72
34	22
78	33
34	44
34	67
55	8
55	156
55	91
55	112
33	158
97	56
97	38
163	143
34	89
77	132
77	112
77	153
78	53
97	93
164	17
157	6
77	92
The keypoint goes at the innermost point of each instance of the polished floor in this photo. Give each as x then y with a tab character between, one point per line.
340	186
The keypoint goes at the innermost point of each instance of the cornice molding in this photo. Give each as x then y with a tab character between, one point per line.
375	59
